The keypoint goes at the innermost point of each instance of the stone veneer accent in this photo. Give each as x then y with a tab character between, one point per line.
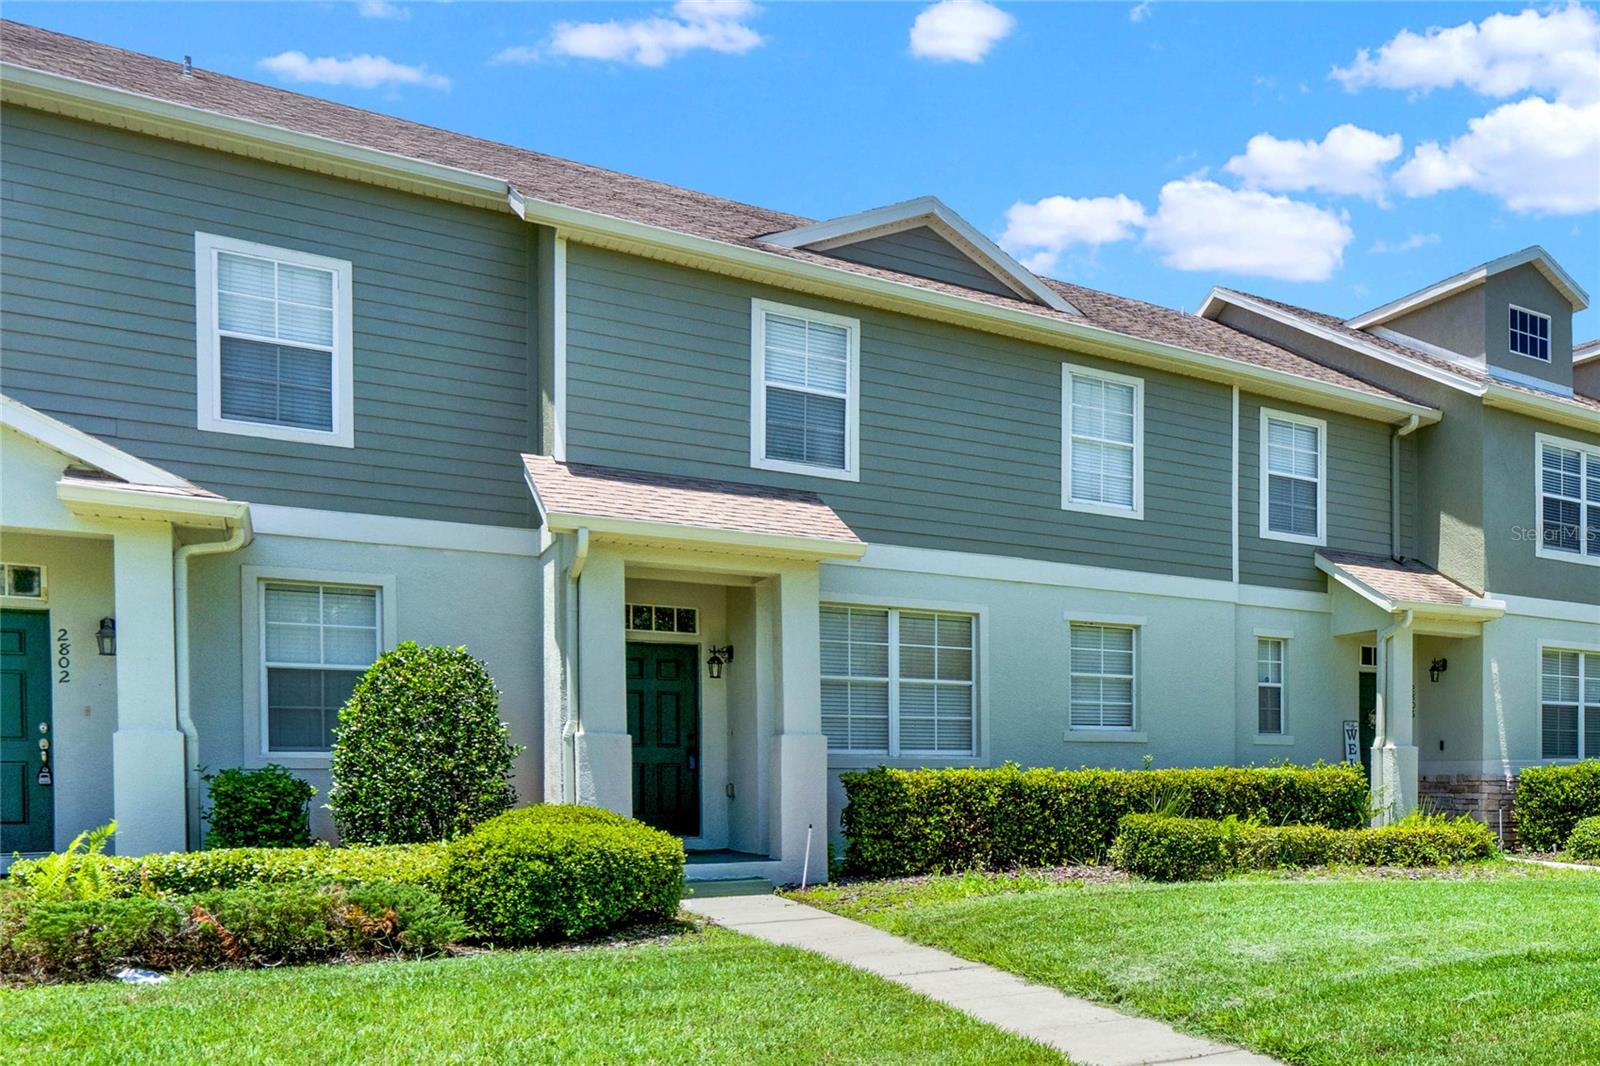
1486	797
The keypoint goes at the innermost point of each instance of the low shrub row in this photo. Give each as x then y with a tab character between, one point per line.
1552	800
904	822
1167	848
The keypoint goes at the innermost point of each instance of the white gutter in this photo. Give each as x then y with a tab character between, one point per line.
240	535
1549	408
1394	485
569	728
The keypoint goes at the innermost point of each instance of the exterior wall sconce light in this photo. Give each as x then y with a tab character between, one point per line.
1437	667
106	636
718	657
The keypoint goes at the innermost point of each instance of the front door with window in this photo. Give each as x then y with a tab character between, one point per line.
1367	715
27	814
664	721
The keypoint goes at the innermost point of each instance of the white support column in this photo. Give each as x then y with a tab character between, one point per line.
1394	763
799	762
604	749
147	749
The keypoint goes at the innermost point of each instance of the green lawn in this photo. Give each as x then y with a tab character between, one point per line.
711	997
1497	966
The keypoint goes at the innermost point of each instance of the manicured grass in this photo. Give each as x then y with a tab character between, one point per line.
1492	965
711	997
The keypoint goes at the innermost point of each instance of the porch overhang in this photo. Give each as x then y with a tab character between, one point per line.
1397	587
92	498
632	507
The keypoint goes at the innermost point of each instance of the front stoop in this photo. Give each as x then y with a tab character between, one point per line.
728	886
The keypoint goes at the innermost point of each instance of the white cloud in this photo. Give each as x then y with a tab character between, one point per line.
1410	244
1200	225
361	72
382	9
1535	155
1349	161
694	25
959	30
1038	233
1140	11
1555	51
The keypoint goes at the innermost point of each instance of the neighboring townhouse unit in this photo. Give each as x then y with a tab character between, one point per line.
728	500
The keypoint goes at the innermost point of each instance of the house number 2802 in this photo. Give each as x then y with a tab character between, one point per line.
63	656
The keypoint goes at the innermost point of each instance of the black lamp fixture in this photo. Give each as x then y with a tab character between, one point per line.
1437	667
106	636
718	657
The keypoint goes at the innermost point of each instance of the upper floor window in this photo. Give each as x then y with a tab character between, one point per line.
1294	482
1102	442
1102	677
1530	333
1269	685
1569	704
804	391
273	340
1569	500
898	682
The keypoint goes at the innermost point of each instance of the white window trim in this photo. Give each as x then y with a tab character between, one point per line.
979	683
24	602
1282	685
1550	341
1539	700
1540	549
252	583
208	373
1266	532
759	309
1068	371
1132	731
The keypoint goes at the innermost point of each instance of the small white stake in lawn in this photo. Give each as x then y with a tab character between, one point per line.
805	860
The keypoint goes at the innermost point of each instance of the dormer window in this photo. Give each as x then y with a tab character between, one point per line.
1530	333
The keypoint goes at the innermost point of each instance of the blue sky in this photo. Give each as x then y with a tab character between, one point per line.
1152	150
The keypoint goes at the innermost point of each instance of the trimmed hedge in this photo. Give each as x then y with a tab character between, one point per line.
1552	800
187	872
1583	843
1165	848
551	871
904	822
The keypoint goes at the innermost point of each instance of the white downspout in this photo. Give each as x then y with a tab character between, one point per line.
1394	483
238	538
569	728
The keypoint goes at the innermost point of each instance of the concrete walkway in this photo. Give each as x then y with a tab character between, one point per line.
1087	1033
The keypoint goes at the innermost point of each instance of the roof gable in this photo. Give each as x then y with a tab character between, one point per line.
924	217
1541	260
80	447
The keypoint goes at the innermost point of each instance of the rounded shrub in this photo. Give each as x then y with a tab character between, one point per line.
1583	843
268	807
549	871
1551	800
420	752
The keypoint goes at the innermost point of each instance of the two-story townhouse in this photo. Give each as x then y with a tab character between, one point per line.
728	500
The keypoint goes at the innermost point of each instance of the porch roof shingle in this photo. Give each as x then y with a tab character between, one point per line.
1401	581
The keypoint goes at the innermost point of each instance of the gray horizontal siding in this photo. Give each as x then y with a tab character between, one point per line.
1358	468
960	431
98	287
925	254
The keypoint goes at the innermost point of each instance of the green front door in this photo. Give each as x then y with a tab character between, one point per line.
1367	715
664	721
27	815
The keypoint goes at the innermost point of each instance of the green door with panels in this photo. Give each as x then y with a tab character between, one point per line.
27	814
664	721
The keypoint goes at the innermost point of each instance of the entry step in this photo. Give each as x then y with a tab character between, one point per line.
729	886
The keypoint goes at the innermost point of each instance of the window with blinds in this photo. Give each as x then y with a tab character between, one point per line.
1292	478
1269	685
898	682
1569	499
1102	468
1102	682
804	397
317	642
1569	704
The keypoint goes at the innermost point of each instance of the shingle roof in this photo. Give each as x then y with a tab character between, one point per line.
1407	582
608	192
77	475
579	489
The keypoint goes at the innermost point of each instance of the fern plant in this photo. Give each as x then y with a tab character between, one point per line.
78	873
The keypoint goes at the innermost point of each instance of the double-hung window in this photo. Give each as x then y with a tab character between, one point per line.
1102	681
1529	333
316	642
273	341
1294	481
1102	442
1569	704
1569	500
804	391
1269	685
899	682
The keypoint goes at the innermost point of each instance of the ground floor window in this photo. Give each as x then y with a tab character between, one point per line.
898	682
1569	708
1102	684
316	642
1269	685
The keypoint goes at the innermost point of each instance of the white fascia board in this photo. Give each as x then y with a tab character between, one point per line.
703	537
129	502
1546	408
1219	297
1534	254
934	213
59	436
1585	352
